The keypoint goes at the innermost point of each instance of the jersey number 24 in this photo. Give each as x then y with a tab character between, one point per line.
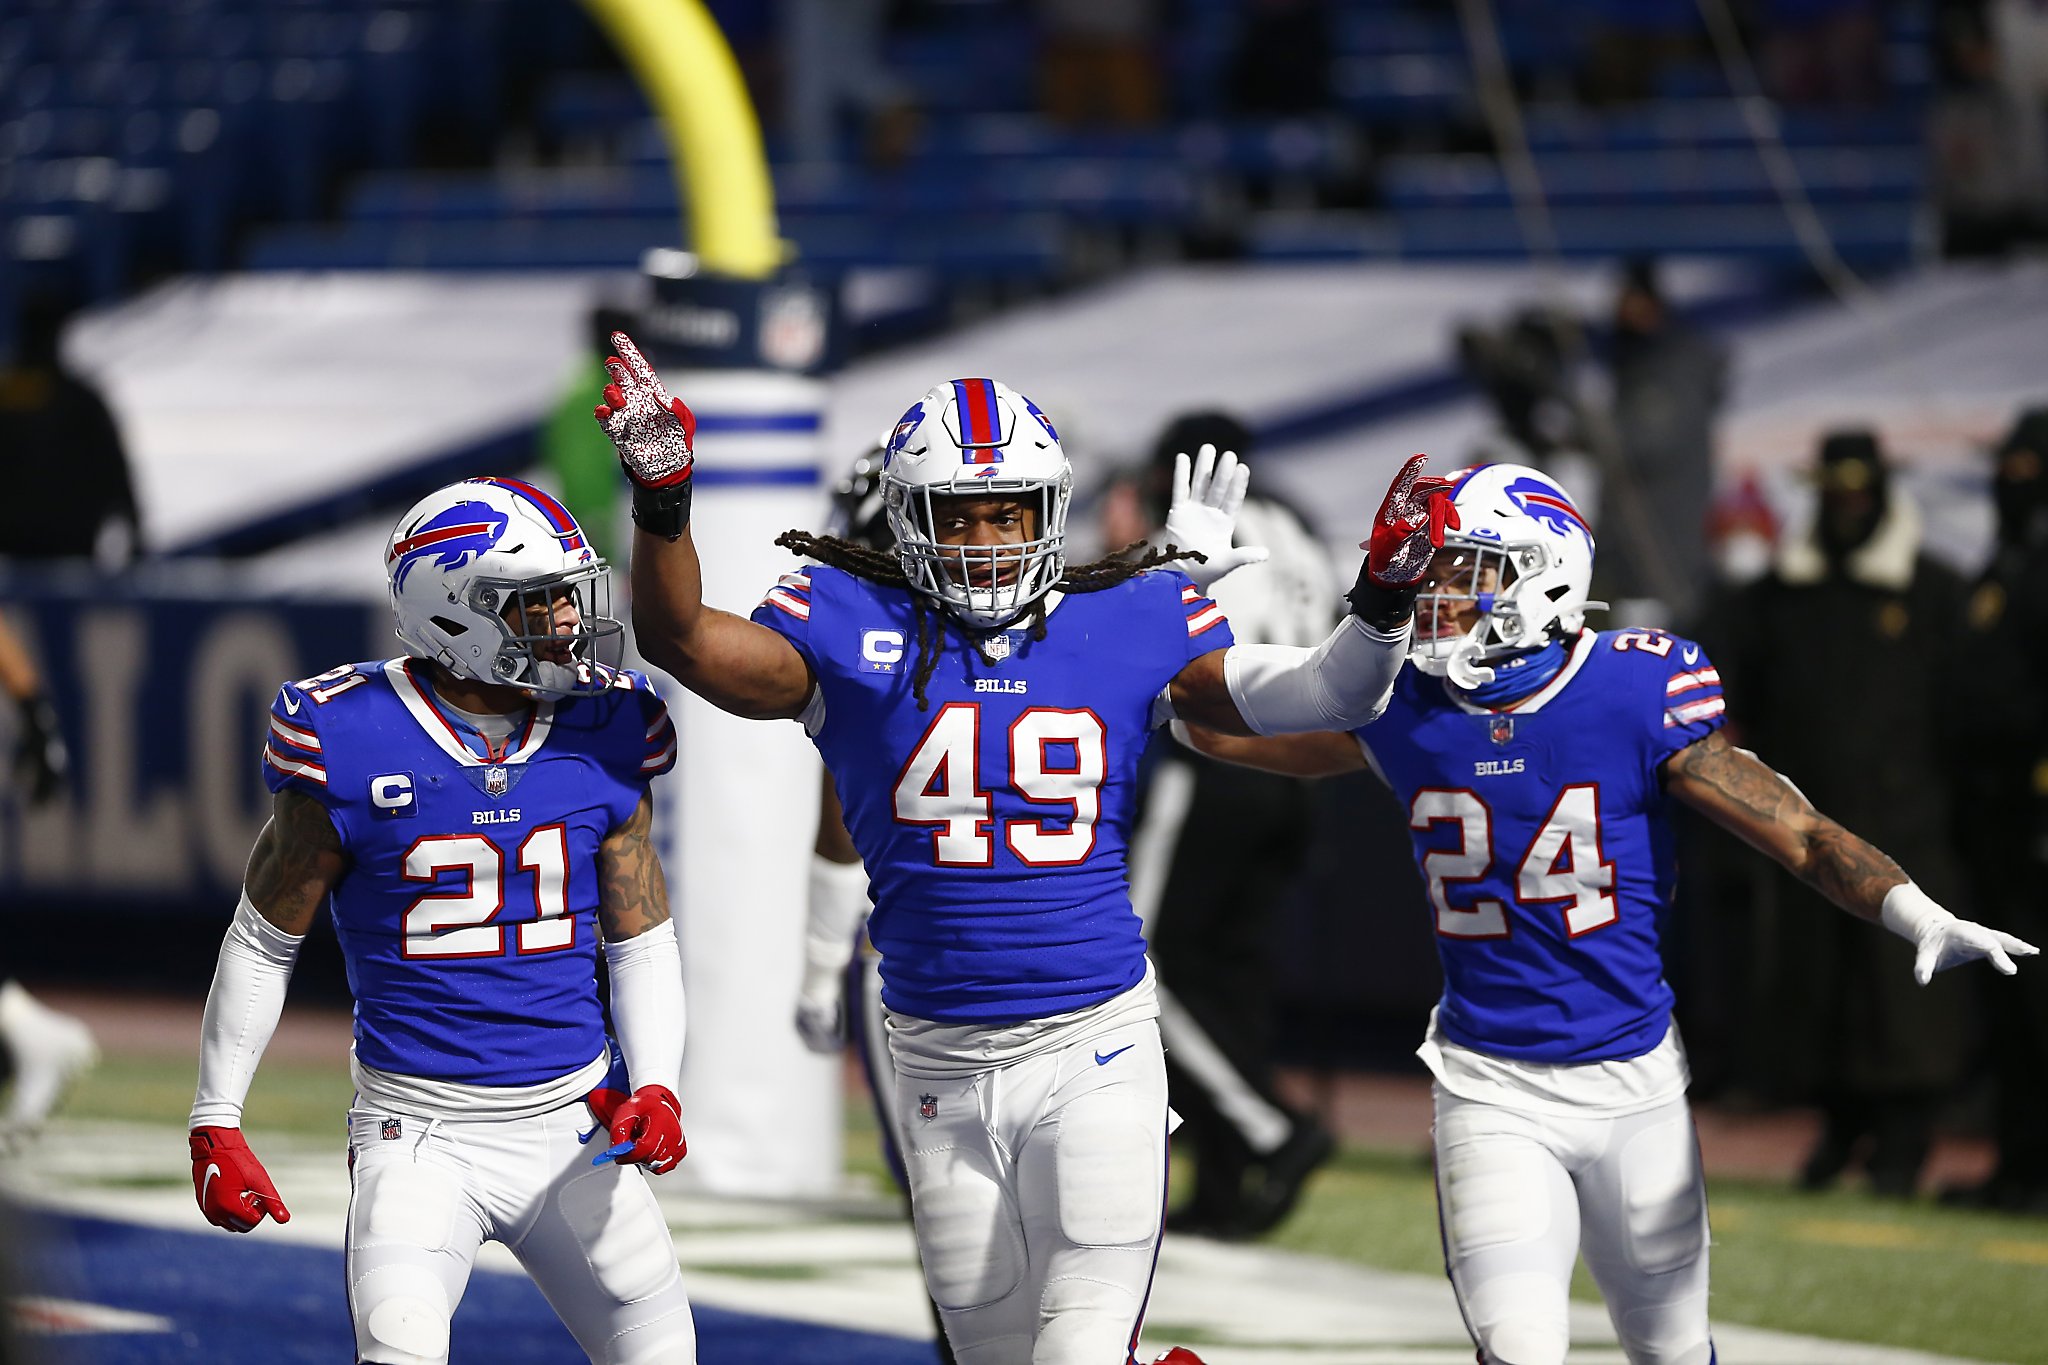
1562	863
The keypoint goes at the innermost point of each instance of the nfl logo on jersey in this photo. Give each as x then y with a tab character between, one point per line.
1501	729
391	1130
497	782
927	1107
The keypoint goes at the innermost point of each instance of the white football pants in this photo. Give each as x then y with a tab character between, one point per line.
1521	1195
1038	1189
426	1193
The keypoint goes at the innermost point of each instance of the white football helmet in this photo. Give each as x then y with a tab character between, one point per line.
480	574
1523	554
977	438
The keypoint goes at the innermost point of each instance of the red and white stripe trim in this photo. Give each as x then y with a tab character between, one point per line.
1209	615
1685	682
654	762
789	602
291	767
1191	593
1699	710
293	735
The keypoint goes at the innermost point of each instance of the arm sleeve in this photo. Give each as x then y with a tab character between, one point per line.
647	1004
242	1010
1341	684
837	908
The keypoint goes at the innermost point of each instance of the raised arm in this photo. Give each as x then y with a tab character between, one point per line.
1344	682
646	968
728	660
297	860
1738	791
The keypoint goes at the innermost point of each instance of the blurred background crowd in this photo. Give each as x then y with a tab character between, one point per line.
1616	201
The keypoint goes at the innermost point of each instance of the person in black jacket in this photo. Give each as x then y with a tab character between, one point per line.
1214	849
2001	817
66	473
1837	664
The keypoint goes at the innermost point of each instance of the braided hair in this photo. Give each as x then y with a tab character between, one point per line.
882	567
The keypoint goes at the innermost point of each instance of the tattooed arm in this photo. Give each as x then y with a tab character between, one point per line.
1737	791
632	892
640	950
297	860
1745	796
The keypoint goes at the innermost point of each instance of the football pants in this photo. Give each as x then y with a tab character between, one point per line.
426	1193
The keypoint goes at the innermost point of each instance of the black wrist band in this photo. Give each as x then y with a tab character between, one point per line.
1381	607
662	512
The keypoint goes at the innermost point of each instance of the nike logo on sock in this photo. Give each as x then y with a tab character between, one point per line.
1101	1060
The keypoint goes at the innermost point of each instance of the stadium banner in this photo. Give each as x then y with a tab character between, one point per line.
161	682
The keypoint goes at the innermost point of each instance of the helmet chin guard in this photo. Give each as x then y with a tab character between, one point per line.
977	438
493	580
1522	555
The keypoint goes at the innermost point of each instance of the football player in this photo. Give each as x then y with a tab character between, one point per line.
1538	762
981	707
475	814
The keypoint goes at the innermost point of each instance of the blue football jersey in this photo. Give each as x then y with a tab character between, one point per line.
993	824
468	914
1543	836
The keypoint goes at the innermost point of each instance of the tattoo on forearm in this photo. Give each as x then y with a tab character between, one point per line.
294	864
633	894
1764	807
1847	870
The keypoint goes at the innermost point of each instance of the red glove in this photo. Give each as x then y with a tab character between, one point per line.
653	433
233	1189
651	1118
1410	526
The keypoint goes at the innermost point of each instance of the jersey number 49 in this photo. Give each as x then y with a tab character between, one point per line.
1057	758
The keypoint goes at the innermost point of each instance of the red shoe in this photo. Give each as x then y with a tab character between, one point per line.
1179	1355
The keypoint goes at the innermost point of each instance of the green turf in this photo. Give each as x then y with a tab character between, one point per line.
1844	1265
304	1100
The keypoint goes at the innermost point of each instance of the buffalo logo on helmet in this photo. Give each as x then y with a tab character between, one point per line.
1548	504
451	538
927	1107
904	427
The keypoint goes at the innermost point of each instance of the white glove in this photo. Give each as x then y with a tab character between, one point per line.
838	906
1944	940
1204	513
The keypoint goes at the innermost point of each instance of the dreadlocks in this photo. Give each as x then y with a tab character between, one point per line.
881	566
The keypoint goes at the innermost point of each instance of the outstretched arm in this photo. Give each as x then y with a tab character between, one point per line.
1738	791
1344	682
728	660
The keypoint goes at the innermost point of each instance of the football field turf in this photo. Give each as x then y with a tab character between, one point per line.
1842	1266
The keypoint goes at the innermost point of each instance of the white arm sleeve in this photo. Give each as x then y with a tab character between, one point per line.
242	1010
838	907
1341	684
647	1004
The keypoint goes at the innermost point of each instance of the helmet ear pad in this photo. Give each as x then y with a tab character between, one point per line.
468	561
977	438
